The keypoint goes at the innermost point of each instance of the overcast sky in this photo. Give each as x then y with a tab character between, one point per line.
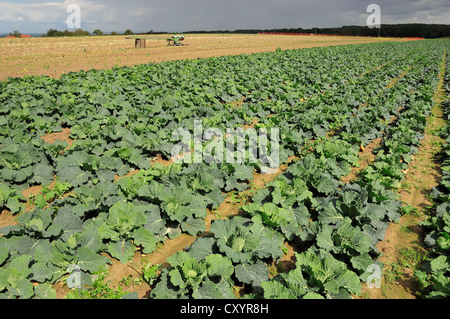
30	16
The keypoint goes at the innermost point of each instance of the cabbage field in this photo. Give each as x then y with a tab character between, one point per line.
112	189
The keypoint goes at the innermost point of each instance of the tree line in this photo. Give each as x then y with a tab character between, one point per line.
386	30
80	33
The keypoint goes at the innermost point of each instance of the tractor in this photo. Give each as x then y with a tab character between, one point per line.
176	40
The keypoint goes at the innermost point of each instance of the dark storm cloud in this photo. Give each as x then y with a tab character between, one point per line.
184	15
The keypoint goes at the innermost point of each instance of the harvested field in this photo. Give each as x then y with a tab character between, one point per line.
56	56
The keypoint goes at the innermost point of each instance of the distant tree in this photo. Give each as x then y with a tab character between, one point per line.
80	33
97	32
114	33
16	34
128	32
52	33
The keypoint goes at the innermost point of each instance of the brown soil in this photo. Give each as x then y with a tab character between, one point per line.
62	136
404	234
134	172
118	271
287	262
29	192
56	56
7	219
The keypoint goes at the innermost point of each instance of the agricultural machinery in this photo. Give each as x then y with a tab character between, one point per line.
175	40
